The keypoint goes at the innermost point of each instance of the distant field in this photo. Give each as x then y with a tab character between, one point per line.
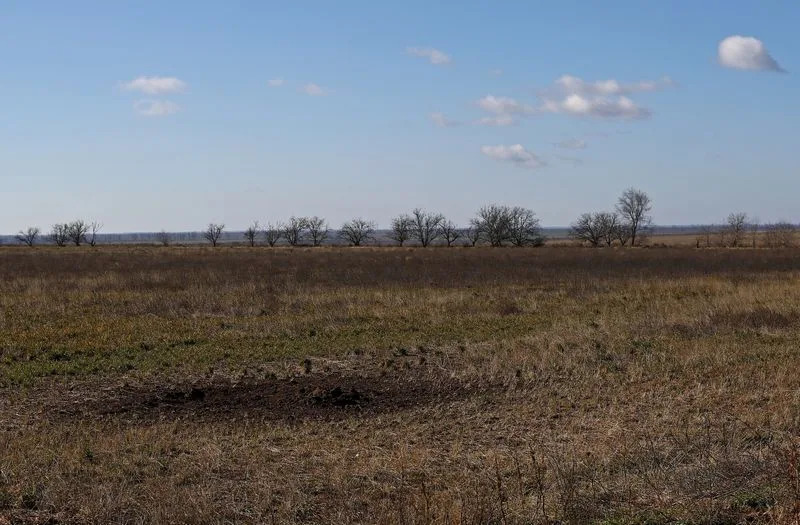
400	385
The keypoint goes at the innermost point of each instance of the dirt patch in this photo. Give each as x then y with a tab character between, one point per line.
312	396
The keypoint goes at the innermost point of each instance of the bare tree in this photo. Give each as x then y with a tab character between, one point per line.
294	229
781	234
586	229
736	228
493	223
601	227
634	206
401	229
272	233
450	232
425	226
609	226
163	238
357	231
473	235
59	234
213	233
76	232
251	233
317	230
623	234
93	229
524	228
29	236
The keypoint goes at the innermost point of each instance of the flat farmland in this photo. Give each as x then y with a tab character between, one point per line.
399	385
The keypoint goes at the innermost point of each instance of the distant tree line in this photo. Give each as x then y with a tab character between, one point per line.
629	224
494	224
740	230
77	232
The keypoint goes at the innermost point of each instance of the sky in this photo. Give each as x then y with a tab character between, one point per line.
169	115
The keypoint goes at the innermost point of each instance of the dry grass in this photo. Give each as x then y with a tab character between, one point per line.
144	385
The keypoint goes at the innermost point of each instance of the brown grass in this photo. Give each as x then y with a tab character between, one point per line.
144	385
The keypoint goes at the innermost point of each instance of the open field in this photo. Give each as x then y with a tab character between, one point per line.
388	385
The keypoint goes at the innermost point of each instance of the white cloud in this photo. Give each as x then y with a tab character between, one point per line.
314	90
620	107
515	154
503	110
572	144
275	82
503	105
434	56
603	99
155	85
155	108
746	52
442	121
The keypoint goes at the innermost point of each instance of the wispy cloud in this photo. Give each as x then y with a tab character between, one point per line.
503	110
314	90
573	85
275	82
155	85
503	105
572	144
575	161
434	56
746	52
515	154
155	108
443	122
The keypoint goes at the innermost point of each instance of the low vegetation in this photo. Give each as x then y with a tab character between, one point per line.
399	385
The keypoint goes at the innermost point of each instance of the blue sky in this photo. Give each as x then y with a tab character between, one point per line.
382	107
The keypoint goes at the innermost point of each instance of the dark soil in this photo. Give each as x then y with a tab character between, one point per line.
312	396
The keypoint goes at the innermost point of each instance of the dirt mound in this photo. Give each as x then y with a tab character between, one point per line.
313	396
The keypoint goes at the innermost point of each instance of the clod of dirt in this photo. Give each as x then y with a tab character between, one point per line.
339	398
197	394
